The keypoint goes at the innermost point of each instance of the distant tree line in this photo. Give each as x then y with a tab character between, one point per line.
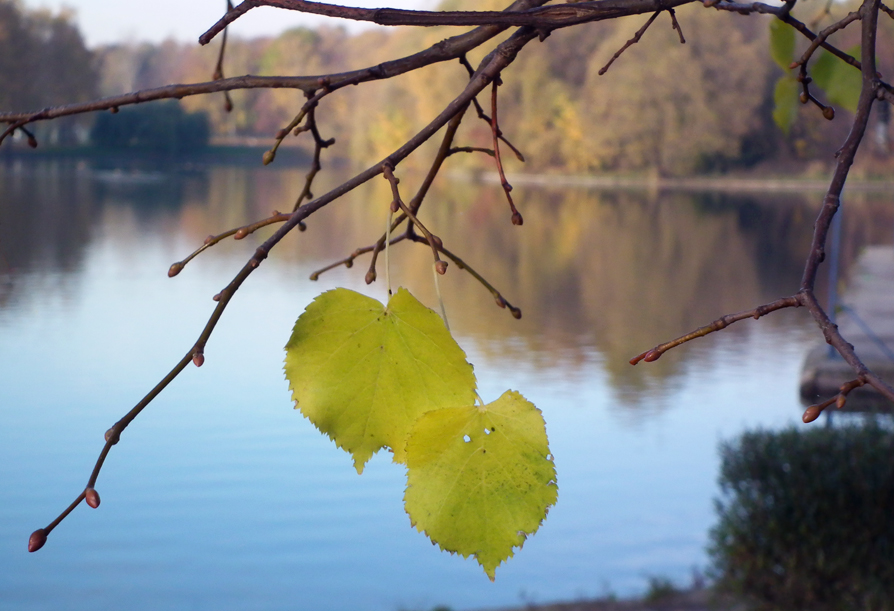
44	62
702	106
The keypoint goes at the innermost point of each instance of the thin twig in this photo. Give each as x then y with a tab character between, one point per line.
238	232
721	323
676	25
218	69
483	116
630	43
498	297
507	188
813	412
315	166
433	240
822	36
806	96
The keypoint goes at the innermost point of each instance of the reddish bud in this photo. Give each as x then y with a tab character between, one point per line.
370	276
811	413
441	267
228	105
32	142
108	435
37	540
804	98
240	233
113	110
829	113
793	65
282	134
395	206
209	239
652	355
216	297
175	269
92	497
840	401
500	302
301	225
198	359
437	241
516	313
517	218
315	276
268	157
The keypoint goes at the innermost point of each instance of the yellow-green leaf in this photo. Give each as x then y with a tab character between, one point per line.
841	82
480	479
782	43
363	373
785	100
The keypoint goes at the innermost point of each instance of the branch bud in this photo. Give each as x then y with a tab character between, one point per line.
441	267
282	134
216	297
240	233
198	359
108	436
37	540
438	242
92	497
840	401
804	98
652	355
268	157
517	218
209	239
829	113
811	413
370	276
32	141
175	269
228	105
516	313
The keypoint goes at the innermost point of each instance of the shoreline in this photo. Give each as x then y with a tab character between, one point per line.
688	599
696	183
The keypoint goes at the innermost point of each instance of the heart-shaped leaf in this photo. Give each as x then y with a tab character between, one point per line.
363	373
480	479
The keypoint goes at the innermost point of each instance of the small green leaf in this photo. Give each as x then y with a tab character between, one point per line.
480	479
785	101
363	373
841	82
782	43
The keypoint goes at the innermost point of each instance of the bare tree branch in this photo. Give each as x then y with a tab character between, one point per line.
543	18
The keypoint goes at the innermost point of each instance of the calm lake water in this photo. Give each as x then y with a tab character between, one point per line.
221	496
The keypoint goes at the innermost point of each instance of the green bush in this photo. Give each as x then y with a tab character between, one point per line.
806	519
161	128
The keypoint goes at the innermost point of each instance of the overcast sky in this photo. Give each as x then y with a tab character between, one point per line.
107	21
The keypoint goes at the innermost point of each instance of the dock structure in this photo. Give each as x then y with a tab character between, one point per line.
865	317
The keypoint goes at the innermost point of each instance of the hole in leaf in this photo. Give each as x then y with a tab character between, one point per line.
549	457
487	431
466	438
